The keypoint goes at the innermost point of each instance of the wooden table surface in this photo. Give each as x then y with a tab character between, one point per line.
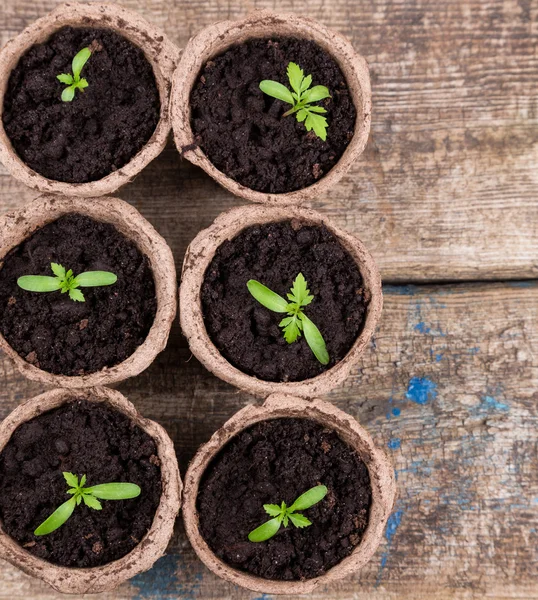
445	197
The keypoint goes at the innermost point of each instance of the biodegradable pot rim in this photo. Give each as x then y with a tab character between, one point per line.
198	257
70	580
214	39
160	52
17	226
277	406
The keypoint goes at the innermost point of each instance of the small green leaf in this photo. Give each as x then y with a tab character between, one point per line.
292	330
81	58
301	115
58	518
78	499
95	279
91	501
299	291
114	491
272	509
309	498
315	340
318	92
66	78
265	531
68	94
71	479
295	75
82	481
276	90
318	124
317	109
82	84
305	85
266	297
299	520
76	295
285	520
38	283
72	490
58	270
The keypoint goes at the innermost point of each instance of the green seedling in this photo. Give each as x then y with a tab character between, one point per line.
66	282
283	514
90	496
75	82
301	99
296	321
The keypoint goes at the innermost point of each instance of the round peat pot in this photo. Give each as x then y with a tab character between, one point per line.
151	547
162	56
331	420
199	257
218	38
132	235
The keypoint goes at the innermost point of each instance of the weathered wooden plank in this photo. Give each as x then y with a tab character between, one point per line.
447	187
449	388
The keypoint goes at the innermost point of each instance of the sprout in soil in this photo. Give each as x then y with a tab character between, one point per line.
65	282
75	81
301	99
282	514
90	495
297	321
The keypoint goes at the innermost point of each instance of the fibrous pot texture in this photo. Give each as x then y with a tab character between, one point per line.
161	53
154	543
280	406
17	226
216	39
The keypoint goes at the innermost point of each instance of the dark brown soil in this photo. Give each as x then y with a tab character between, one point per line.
83	438
103	127
277	461
74	338
242	130
274	254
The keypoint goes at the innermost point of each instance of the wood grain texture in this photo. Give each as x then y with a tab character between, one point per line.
447	187
446	190
449	389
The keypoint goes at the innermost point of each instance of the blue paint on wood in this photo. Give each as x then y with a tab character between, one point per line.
438	357
421	389
401	290
392	525
394	443
422	328
169	579
490	403
396	411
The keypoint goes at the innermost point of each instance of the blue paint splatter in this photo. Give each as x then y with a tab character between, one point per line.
170	579
491	403
394	443
396	411
522	284
474	351
421	389
392	524
422	328
400	290
438	357
263	597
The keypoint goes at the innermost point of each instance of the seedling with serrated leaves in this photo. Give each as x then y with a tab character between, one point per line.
296	321
66	282
301	99
75	82
283	514
90	496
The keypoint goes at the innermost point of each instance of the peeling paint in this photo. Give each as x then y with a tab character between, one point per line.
421	389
